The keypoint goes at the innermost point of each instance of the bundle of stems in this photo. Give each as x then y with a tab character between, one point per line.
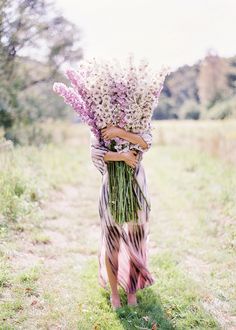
123	198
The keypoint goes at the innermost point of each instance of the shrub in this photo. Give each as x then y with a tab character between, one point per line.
222	110
190	110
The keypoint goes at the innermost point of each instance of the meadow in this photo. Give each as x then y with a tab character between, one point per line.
50	232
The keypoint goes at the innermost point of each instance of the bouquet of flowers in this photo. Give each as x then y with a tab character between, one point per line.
104	93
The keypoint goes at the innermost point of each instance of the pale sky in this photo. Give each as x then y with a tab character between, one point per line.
169	32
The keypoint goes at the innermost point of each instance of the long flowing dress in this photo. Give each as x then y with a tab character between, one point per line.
126	245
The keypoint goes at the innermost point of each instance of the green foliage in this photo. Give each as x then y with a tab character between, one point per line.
192	91
27	173
165	109
190	110
25	82
22	285
14	200
30	276
213	85
222	110
4	274
6	119
28	134
180	86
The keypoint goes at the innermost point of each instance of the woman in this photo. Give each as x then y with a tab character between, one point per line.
123	248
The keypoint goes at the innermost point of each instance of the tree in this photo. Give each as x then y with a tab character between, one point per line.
35	42
212	80
36	29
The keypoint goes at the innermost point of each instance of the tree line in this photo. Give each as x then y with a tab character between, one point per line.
205	90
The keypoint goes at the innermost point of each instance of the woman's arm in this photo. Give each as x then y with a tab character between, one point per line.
113	156
101	155
111	132
128	157
133	138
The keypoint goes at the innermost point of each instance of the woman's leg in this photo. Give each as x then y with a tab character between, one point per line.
112	278
135	236
111	260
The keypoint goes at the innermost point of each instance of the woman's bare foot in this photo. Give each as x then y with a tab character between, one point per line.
115	300
132	299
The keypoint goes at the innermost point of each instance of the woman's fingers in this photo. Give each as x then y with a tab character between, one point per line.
105	128
132	163
104	132
105	136
134	152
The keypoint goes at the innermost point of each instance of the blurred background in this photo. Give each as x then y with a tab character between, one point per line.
49	221
40	38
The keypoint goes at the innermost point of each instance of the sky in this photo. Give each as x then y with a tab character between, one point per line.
167	32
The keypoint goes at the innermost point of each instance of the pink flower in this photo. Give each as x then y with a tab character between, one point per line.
76	102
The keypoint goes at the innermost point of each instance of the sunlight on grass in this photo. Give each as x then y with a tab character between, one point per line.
173	302
46	282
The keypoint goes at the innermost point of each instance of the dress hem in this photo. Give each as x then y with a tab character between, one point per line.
105	286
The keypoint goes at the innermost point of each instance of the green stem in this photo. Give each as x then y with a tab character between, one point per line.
135	180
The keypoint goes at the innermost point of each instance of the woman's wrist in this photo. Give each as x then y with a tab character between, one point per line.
121	156
113	156
132	137
121	133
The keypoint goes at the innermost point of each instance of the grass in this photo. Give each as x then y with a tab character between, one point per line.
17	292
172	302
216	137
27	174
196	221
41	238
50	231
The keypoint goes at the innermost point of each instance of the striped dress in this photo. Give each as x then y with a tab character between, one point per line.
126	245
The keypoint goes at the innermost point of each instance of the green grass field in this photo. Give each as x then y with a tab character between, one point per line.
50	233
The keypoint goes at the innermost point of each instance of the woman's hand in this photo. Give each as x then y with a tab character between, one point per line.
111	132
130	158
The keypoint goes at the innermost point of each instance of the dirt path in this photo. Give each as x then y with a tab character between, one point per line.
67	240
